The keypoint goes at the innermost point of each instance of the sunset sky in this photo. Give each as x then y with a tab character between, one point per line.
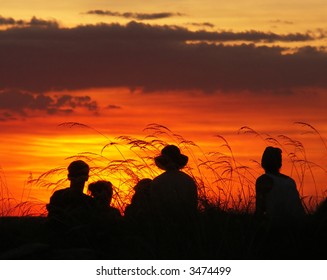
201	68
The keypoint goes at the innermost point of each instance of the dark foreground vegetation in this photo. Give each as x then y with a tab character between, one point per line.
217	235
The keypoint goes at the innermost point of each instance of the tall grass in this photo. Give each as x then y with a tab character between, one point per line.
302	169
25	205
5	196
223	181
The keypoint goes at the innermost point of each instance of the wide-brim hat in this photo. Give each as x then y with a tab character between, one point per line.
171	158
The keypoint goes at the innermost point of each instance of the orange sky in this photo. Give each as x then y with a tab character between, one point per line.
199	71
198	118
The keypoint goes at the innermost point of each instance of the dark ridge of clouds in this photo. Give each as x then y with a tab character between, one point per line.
43	23
7	21
33	22
142	31
139	31
15	103
152	58
257	36
136	16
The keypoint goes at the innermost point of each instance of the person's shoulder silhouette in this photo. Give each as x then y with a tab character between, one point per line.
71	203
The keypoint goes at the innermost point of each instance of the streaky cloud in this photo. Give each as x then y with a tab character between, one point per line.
278	21
137	16
34	21
202	24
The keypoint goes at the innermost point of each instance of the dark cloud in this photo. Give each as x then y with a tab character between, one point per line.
202	24
15	103
76	102
270	37
6	116
36	22
278	21
137	16
111	107
153	57
7	21
43	23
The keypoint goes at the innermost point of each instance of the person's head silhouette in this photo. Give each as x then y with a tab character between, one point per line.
271	160
101	191
171	158
78	174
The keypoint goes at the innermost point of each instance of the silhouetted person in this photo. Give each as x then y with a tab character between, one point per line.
138	216
277	197
174	191
70	206
279	204
140	202
139	212
108	230
175	199
102	192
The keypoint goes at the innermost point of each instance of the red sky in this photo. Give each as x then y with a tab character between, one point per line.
119	76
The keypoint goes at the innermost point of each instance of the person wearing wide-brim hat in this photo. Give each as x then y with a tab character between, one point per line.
174	190
171	158
175	199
